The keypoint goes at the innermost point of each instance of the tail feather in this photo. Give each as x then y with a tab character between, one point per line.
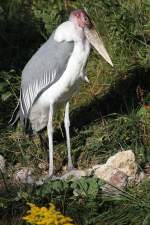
25	122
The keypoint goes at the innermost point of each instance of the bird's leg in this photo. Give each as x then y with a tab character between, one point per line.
67	125
50	138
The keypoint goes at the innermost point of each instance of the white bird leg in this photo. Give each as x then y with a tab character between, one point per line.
50	138
67	125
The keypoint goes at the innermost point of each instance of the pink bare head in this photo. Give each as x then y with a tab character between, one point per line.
80	18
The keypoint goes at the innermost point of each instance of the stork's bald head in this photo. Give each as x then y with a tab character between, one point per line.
80	18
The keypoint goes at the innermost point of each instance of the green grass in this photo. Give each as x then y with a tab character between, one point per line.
107	115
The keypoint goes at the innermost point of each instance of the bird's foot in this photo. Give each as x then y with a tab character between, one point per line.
71	167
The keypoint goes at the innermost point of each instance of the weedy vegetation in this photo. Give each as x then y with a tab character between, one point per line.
109	114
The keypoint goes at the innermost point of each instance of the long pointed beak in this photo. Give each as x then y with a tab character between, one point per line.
96	41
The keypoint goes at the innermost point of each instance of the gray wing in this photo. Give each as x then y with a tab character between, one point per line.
43	69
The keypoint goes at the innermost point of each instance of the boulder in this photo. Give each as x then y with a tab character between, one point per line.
75	174
124	161
112	175
118	169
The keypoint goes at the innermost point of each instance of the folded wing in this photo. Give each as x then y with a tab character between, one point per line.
44	68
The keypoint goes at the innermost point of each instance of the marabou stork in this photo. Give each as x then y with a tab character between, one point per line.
54	73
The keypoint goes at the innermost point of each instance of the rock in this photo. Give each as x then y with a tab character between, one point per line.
2	163
103	172
118	169
75	174
118	179
124	161
112	176
24	176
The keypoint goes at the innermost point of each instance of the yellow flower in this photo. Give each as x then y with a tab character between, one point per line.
46	216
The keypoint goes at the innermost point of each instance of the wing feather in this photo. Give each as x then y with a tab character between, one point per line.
43	69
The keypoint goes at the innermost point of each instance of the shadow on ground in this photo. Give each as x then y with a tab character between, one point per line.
124	95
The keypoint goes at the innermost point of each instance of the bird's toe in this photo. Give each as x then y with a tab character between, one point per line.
71	167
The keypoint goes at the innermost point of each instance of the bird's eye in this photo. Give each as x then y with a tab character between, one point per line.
86	19
77	15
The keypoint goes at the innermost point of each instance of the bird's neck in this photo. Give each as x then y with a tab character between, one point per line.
68	31
75	69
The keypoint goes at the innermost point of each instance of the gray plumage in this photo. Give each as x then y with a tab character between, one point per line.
44	68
